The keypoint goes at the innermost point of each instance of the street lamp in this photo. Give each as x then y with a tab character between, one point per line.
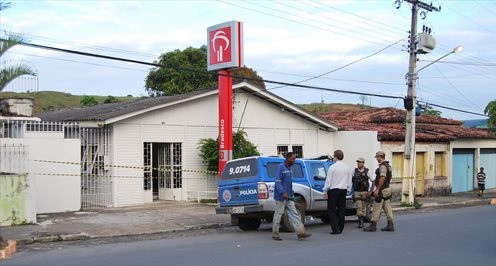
457	49
409	166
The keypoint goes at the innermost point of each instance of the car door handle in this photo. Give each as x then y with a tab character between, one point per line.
317	186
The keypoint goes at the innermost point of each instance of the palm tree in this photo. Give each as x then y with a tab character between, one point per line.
10	70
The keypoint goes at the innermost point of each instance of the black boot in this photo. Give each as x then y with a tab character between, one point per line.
360	222
389	227
371	227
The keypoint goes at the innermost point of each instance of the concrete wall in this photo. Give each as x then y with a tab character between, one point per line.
17	204
356	144
433	185
57	186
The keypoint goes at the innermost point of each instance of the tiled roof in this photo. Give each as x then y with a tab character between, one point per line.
109	113
110	110
390	125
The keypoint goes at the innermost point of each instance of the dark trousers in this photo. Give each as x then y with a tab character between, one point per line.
336	208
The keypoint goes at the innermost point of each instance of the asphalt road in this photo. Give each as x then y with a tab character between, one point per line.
463	236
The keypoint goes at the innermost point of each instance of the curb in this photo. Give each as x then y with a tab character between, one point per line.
85	236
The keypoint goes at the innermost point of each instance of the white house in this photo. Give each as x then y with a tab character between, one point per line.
133	152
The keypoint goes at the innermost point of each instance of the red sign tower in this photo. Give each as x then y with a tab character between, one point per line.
224	53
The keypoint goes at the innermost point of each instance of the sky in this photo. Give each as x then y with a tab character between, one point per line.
348	45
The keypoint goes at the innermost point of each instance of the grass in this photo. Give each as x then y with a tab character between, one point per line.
415	204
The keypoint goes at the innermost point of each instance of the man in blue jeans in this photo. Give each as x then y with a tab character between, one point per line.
284	197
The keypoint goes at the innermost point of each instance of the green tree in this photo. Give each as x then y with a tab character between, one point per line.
111	99
186	71
428	110
242	147
89	101
490	110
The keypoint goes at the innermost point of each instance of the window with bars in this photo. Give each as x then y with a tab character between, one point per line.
283	149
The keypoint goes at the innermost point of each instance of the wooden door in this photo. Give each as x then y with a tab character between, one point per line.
420	177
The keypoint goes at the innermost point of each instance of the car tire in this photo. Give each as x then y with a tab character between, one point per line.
249	224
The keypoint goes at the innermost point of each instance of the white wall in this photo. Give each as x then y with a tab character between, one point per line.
57	186
356	144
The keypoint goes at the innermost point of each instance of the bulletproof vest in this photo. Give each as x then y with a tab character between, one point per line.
360	180
389	174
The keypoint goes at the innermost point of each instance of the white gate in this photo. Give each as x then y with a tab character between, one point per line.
96	171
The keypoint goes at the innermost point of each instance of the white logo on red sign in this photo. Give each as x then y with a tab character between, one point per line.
226	195
220	43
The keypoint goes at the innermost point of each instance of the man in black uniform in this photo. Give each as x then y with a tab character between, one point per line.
360	180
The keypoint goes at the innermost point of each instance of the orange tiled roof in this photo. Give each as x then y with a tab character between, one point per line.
390	125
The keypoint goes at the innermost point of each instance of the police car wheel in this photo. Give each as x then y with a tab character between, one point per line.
249	224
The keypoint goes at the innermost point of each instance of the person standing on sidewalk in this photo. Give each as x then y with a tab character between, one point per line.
337	183
361	178
481	182
382	194
284	197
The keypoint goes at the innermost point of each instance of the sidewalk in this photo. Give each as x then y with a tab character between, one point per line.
166	216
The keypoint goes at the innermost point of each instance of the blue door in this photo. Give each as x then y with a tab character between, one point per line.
463	170
487	160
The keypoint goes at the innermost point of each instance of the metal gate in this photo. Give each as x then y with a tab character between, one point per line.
463	170
488	160
96	171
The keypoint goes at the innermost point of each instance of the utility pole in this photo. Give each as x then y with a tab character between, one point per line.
409	166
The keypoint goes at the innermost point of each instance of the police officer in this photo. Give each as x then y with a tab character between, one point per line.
360	180
382	194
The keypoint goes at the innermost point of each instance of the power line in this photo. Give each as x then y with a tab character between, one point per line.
361	17
453	109
333	19
234	76
341	67
299	22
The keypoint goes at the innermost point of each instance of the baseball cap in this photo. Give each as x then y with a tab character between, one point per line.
380	153
360	159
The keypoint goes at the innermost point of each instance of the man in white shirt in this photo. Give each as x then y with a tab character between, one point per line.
337	183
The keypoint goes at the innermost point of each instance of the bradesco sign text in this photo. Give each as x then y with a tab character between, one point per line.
225	46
